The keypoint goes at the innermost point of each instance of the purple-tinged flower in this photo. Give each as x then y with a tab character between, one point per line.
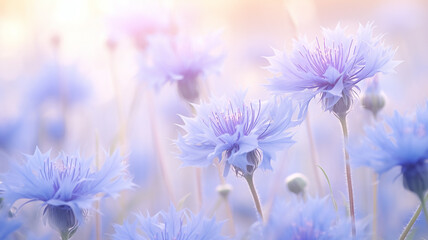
402	141
331	67
67	186
183	59
171	225
314	219
248	134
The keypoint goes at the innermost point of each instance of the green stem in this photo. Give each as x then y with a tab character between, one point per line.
413	219
425	209
250	181
342	120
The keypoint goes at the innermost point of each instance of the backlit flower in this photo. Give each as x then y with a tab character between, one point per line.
247	133
331	67
402	141
182	59
171	225
315	219
67	186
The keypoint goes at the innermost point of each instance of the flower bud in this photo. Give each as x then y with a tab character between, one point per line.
373	99
296	183
62	219
224	189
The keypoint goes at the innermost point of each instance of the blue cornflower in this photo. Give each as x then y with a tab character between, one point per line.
171	225
401	142
67	186
331	67
182	59
314	219
248	134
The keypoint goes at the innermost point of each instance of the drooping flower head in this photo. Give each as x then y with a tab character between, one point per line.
67	185
402	141
315	219
331	67
183	59
247	133
171	225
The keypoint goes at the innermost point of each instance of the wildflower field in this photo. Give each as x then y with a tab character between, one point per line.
213	120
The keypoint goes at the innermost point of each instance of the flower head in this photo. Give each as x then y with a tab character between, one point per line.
182	59
67	185
401	142
171	225
248	134
310	220
57	83
331	67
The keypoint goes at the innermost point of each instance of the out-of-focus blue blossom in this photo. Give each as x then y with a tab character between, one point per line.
58	83
67	185
7	226
182	59
314	219
331	67
248	134
401	142
171	225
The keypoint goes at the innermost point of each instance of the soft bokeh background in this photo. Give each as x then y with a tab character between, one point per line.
104	103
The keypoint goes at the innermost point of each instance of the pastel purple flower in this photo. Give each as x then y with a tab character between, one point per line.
330	67
247	133
67	186
171	225
181	59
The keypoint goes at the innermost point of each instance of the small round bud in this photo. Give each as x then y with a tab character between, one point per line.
373	99
296	183
224	190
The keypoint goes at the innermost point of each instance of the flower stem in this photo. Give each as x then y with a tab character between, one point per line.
425	209
250	181
413	219
313	155
342	120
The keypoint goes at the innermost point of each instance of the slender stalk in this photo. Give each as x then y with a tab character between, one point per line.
411	222
158	149
425	209
342	120
375	185
313	155
250	181
226	199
